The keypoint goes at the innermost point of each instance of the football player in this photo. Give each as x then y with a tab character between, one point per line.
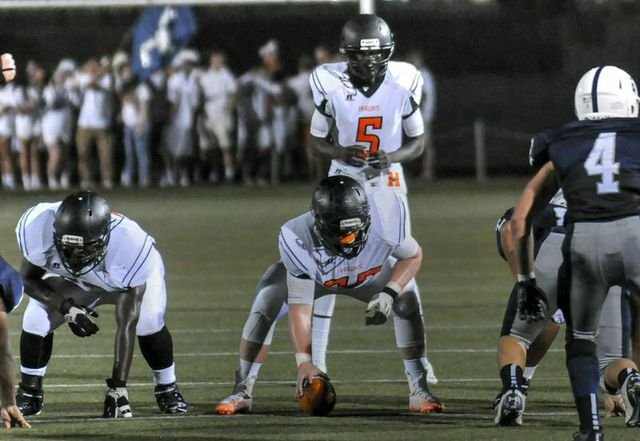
523	344
11	291
344	246
595	162
367	119
78	255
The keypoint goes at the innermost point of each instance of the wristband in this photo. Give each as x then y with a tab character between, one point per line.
526	277
302	357
393	289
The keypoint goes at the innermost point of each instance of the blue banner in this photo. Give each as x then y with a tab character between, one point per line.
158	34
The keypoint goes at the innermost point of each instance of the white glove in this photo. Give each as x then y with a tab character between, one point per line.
378	309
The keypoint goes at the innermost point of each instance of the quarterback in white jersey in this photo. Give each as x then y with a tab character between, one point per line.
373	105
79	255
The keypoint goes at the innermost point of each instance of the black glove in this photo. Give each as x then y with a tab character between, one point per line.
379	160
79	318
532	301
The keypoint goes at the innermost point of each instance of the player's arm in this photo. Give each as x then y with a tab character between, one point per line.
409	255
532	302
353	155
301	295
413	146
127	314
37	288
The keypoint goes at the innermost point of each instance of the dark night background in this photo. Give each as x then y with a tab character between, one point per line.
512	63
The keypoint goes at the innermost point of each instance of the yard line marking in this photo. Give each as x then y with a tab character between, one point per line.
288	353
292	382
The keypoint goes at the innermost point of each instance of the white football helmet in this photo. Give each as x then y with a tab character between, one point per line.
606	92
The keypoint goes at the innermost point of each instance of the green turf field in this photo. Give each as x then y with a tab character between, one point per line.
217	242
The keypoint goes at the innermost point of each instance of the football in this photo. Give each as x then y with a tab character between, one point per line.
318	396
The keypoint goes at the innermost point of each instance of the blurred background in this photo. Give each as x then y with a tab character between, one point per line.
502	69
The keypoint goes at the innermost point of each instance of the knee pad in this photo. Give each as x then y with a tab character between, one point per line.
268	304
157	349
38	320
406	304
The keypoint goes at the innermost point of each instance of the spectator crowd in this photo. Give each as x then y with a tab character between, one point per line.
98	125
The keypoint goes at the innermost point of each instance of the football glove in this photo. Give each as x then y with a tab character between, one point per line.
532	301
79	318
378	309
116	402
379	160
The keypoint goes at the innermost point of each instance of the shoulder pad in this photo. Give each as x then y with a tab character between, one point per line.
389	216
407	77
35	231
539	149
296	246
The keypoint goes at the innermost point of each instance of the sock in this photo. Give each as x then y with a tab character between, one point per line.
165	376
249	369
624	373
529	371
582	364
511	377
413	367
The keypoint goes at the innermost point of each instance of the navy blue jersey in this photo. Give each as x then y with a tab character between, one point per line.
597	164
549	219
11	287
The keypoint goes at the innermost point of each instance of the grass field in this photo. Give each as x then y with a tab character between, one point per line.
217	242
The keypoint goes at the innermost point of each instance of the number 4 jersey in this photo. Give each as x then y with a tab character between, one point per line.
388	239
375	120
597	164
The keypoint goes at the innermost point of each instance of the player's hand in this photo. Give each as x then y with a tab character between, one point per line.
8	67
116	402
354	155
613	405
12	417
378	309
532	301
80	318
306	371
379	160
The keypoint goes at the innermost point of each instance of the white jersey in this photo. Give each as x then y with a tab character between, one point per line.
374	122
130	260
389	238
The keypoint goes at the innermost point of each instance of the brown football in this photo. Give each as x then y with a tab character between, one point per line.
318	397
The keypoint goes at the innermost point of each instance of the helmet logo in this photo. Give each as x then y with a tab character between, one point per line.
346	224
70	239
370	44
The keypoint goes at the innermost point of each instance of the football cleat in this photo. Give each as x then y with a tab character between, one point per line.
510	408
318	396
29	401
170	399
421	400
240	400
116	402
592	435
631	396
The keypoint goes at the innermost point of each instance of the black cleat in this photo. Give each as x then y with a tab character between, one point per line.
29	401
170	399
592	435
510	408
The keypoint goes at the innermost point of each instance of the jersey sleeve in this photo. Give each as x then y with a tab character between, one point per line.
294	255
390	212
539	150
34	232
11	284
128	260
319	81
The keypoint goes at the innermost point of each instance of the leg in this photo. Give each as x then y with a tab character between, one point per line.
322	314
156	344
84	139
410	339
105	154
271	294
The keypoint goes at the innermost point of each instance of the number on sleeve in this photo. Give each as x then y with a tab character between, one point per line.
375	122
601	162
